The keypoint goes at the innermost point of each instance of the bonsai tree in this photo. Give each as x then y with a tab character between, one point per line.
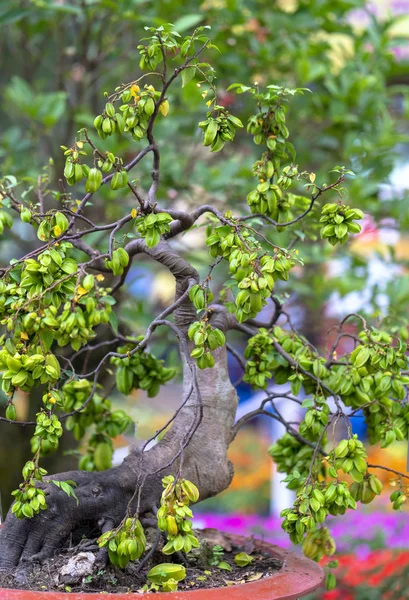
64	299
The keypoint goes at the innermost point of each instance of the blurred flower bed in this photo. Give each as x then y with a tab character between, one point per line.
382	575
359	532
372	550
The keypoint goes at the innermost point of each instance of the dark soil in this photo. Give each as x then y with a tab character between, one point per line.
199	573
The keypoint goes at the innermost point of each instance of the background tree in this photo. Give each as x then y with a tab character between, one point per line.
59	293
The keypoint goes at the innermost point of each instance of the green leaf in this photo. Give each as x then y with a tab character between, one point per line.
187	75
330	581
113	320
224	566
13	15
47	339
362	357
239	87
188	22
69	266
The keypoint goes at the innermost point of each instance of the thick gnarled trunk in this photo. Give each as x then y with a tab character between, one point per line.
204	460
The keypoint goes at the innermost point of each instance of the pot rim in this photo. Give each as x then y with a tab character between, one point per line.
297	577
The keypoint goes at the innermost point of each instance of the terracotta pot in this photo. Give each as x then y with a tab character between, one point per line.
297	577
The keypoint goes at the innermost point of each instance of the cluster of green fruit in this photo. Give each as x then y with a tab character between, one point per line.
94	179
398	498
296	523
225	239
175	516
134	113
26	371
338	221
206	339
165	577
73	170
151	56
28	499
119	179
141	370
268	199
366	490
319	543
263	168
98	411
200	296
6	220
153	226
264	360
52	266
268	126
292	456
219	130
264	199
312	506
255	289
75	325
286	176
119	261
166	39
39	442
52	226
109	122
109	424
350	456
374	377
255	276
109	161
124	544
98	455
45	281
48	429
314	421
339	497
260	354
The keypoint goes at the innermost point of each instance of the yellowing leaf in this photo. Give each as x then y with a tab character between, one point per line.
23	335
135	89
255	577
164	108
82	291
100	277
134	212
312	177
57	230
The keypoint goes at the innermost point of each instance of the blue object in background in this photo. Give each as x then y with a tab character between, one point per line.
359	426
139	282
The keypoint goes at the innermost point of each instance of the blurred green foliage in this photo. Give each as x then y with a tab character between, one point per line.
64	55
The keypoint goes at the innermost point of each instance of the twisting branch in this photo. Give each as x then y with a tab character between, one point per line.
389	469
